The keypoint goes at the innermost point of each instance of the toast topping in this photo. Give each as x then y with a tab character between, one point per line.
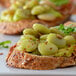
44	41
33	9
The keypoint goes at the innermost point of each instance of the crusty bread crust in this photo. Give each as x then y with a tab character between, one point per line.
69	22
5	3
12	28
21	59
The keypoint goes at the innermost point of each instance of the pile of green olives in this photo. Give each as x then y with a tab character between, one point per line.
41	40
30	9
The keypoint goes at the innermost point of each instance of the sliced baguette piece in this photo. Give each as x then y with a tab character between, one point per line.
21	59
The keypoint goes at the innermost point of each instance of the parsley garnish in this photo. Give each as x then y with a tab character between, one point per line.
66	29
60	2
3	44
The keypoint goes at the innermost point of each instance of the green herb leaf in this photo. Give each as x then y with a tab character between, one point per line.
61	27
60	2
66	29
3	44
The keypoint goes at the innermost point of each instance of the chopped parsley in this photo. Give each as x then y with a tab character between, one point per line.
66	29
3	44
60	2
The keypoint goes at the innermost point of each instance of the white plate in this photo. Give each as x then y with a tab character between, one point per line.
9	71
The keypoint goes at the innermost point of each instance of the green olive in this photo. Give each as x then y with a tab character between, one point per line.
7	18
28	45
64	53
38	10
31	4
21	14
31	37
57	40
41	41
43	37
69	39
8	12
17	4
7	15
14	6
41	28
45	2
47	17
47	49
30	32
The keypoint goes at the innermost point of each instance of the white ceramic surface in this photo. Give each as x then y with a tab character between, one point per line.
9	71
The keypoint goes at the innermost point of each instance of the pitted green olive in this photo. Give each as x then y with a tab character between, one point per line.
64	53
69	39
31	37
7	15
21	14
41	28
56	39
28	45
47	17
43	37
47	49
38	10
30	32
30	4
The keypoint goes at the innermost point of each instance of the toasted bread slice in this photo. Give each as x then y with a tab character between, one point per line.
5	3
21	59
12	28
69	22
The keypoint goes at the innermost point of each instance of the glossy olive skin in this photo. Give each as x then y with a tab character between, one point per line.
65	52
7	15
41	28
31	4
38	9
21	14
47	17
57	40
43	37
47	49
28	43
30	32
42	41
70	39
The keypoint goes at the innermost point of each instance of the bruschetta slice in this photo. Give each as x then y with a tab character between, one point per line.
42	48
22	14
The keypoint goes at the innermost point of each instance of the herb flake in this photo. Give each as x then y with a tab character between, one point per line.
3	44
